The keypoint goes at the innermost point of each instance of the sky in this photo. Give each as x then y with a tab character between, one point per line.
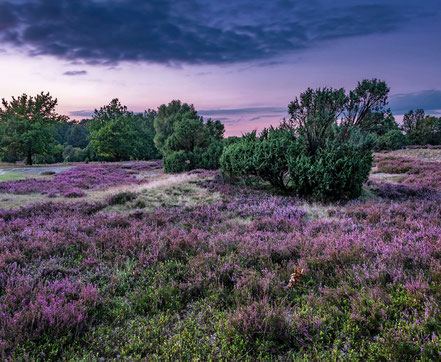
240	61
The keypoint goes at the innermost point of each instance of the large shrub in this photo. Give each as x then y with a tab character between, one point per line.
392	140
176	162
200	141
336	172
237	159
270	157
324	151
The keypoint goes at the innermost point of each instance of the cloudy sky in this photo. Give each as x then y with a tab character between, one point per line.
240	61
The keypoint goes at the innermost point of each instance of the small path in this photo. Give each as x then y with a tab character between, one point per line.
37	169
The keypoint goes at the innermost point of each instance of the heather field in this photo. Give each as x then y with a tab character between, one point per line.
120	261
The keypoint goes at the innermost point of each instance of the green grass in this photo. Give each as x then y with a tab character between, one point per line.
13	176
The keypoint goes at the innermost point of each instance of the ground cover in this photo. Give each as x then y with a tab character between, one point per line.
191	267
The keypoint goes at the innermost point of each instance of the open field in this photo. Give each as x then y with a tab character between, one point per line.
122	261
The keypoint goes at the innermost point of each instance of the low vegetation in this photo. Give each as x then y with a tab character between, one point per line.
304	245
205	269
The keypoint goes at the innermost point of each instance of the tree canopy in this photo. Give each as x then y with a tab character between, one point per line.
26	123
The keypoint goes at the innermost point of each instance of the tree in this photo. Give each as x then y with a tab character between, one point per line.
167	116
116	138
365	105
188	133
317	114
107	113
144	126
412	119
27	123
422	129
120	134
200	142
314	114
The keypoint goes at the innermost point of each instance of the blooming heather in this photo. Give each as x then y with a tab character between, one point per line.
72	182
212	281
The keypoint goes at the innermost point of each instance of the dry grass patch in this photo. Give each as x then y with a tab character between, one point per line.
169	191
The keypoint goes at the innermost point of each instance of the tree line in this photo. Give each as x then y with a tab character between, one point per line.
32	130
323	150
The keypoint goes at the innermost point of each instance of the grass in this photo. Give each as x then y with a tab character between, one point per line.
13	176
186	267
168	192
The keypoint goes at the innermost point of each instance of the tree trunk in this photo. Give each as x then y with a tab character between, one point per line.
29	158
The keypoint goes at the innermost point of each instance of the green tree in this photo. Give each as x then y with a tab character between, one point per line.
116	138
144	126
365	105
107	113
120	134
422	129
26	123
166	118
188	133
77	135
200	142
314	114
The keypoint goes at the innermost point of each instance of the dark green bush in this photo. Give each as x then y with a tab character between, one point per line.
201	143
392	140
270	158
336	172
207	158
176	162
237	159
121	198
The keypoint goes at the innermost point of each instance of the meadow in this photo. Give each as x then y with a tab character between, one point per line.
120	261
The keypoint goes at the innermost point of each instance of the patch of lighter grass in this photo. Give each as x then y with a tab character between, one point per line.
169	191
315	211
388	177
12	176
16	176
15	201
159	181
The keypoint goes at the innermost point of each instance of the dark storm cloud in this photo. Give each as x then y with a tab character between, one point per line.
192	31
75	72
429	100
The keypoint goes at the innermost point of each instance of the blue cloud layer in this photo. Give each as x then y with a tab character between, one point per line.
429	100
193	31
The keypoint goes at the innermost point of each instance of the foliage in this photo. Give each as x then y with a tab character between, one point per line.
314	115
337	172
197	144
188	133
176	162
237	159
166	118
207	158
210	281
71	154
122	135
72	133
265	157
422	129
26	125
391	140
324	150
144	126
365	105
116	138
